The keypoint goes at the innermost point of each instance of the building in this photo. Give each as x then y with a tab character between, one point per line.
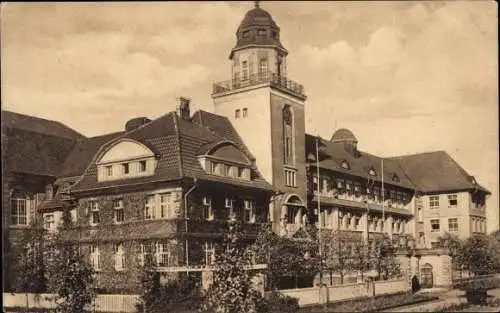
166	187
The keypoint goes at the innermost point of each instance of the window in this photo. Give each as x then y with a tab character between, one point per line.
209	250
162	254
49	222
345	165
372	172
149	208
95	257
420	215
356	222
395	178
261	32
246	33
165	205
94	212
109	170
290	178
207	208
340	184
434	202
287	134
245	112
226	169
434	225
244	66
229	205
119	255
263	66
237	114
142	166
144	251
453	224
118	211
125	168
452	201
249	212
435	245
19	212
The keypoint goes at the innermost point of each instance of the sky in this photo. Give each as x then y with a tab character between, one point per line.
405	77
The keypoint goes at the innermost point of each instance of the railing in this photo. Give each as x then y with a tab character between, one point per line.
256	79
216	227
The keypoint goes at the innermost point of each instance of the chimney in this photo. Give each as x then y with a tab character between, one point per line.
183	109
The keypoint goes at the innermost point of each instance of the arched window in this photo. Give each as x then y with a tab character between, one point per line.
287	135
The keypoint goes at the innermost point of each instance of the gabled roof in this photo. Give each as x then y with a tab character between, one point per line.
436	171
35	146
177	143
332	154
38	125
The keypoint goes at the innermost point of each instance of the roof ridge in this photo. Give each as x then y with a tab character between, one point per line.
46	120
179	154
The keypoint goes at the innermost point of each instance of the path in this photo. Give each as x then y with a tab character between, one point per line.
445	299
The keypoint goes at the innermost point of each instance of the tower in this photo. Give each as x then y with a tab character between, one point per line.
267	110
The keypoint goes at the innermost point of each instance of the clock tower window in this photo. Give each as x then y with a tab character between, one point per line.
287	135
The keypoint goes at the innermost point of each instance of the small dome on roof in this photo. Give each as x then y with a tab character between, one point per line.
343	135
258	29
258	17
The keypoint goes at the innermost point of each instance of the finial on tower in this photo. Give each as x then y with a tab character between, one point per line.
257	4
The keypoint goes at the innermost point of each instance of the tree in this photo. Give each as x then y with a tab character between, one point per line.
175	295
341	249
30	265
72	278
285	257
479	254
383	254
231	290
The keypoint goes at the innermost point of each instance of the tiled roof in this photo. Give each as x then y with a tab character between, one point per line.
436	171
35	146
81	154
177	143
331	156
38	125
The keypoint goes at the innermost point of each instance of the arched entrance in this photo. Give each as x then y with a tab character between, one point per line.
427	277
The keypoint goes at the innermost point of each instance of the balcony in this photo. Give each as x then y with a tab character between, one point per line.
215	228
256	79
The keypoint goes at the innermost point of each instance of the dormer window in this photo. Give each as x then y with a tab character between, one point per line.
126	159
395	178
246	33
142	166
261	32
49	191
372	172
345	165
109	170
125	168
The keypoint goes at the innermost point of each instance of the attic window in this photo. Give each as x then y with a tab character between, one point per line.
246	33
345	165
261	32
275	35
395	178
372	172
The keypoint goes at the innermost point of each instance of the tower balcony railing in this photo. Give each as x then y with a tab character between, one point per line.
256	79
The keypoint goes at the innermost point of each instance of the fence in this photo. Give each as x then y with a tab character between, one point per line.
310	296
102	303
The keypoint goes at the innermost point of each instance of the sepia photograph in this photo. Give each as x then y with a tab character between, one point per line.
250	156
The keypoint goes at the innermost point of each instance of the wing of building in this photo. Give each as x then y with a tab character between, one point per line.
166	187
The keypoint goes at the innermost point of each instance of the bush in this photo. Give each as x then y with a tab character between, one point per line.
279	303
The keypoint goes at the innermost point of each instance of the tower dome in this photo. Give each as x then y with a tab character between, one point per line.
258	29
344	135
